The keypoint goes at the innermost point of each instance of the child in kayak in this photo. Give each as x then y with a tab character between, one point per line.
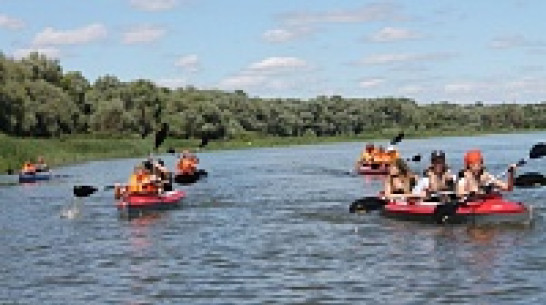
475	180
437	177
400	181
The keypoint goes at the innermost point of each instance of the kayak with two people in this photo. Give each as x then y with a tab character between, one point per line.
146	190
32	172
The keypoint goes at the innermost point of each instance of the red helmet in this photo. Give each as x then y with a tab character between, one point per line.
473	157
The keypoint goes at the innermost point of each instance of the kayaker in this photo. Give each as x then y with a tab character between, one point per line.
475	180
28	168
392	154
437	177
164	175
41	166
366	156
400	181
187	164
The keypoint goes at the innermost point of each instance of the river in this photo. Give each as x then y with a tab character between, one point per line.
268	226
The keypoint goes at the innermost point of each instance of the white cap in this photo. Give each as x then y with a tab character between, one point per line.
390	148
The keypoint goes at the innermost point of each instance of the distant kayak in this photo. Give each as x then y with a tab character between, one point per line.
373	169
188	179
34	177
140	202
485	210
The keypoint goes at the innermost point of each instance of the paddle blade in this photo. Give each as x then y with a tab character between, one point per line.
171	151
397	139
161	135
84	190
367	204
416	158
10	171
204	142
530	180
538	151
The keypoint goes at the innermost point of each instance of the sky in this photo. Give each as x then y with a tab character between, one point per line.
429	50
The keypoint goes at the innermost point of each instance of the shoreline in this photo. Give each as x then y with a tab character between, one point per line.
78	149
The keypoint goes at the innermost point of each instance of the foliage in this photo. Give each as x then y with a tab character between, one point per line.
38	99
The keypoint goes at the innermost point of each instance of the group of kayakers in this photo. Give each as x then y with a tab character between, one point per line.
30	168
377	155
401	183
153	177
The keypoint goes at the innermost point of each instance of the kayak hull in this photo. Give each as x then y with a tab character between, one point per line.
490	210
143	202
29	178
189	179
376	169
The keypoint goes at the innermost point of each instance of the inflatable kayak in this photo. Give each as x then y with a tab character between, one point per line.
373	169
188	179
34	177
488	209
139	202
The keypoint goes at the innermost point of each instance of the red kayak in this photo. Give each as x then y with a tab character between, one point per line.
141	202
485	210
373	169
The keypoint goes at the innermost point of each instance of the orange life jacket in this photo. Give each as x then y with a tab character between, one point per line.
28	167
187	165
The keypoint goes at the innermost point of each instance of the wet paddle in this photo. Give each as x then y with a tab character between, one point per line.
367	204
528	180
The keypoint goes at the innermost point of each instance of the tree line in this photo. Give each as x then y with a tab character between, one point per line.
39	99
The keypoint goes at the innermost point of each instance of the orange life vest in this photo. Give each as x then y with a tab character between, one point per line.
187	165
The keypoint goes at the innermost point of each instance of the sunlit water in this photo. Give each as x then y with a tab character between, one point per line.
268	226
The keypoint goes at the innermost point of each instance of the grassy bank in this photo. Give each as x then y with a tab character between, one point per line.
15	151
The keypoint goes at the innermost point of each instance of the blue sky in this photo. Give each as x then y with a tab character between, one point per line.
460	51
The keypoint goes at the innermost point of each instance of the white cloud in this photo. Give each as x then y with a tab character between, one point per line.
153	5
172	83
242	81
367	13
389	34
48	52
286	34
188	62
86	34
299	24
270	73
513	41
371	83
278	64
390	58
10	23
143	34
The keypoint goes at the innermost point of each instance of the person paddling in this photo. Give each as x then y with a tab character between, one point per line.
187	164
28	168
437	178
164	175
475	180
400	181
41	165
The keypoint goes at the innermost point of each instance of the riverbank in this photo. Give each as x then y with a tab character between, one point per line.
69	150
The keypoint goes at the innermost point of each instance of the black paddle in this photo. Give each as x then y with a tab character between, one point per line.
528	180
397	139
367	204
416	158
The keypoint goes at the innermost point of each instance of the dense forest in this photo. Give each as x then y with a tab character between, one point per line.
39	99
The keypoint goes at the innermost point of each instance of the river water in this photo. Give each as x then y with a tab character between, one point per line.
268	226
